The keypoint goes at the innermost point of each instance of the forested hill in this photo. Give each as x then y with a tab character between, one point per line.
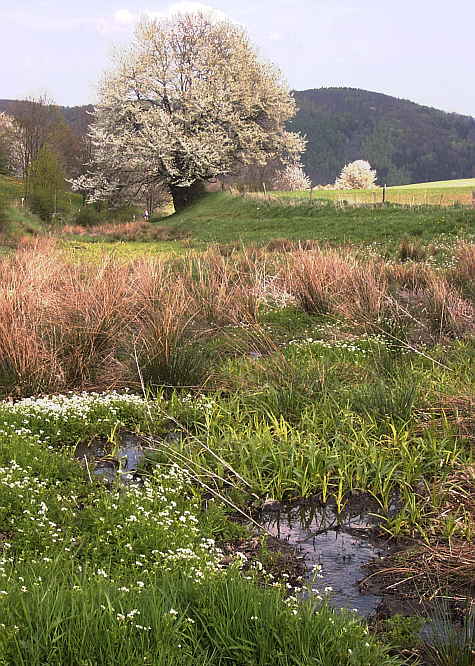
404	141
77	117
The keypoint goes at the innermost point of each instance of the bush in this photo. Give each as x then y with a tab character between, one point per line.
46	184
292	179
42	205
357	175
87	216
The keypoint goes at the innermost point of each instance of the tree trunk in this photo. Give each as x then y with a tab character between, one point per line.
184	196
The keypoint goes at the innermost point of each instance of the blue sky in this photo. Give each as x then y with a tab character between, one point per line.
416	49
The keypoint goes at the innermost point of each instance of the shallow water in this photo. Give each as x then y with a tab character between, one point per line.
102	464
340	543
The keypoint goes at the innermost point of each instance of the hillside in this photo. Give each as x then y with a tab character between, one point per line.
76	116
404	141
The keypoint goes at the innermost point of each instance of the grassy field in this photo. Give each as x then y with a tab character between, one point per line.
251	367
234	223
437	193
223	218
80	250
440	184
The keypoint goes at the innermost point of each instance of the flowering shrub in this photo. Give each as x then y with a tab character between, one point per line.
292	179
357	175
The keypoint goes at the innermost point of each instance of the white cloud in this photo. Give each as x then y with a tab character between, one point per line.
125	17
188	7
121	21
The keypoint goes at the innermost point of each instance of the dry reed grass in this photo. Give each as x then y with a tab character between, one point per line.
446	571
447	312
73	326
318	279
410	276
224	289
446	566
458	411
116	231
365	297
79	325
462	275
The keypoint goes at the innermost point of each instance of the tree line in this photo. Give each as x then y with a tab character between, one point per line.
404	141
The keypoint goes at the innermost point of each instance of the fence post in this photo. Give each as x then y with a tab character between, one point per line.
384	193
473	198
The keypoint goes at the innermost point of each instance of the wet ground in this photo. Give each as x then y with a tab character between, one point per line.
110	461
347	545
309	533
340	543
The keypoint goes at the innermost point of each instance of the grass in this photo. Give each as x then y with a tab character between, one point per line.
80	250
11	187
223	218
133	575
18	224
437	193
275	371
455	184
278	221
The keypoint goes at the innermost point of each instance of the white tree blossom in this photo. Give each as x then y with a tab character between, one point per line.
187	102
292	179
94	186
10	141
357	175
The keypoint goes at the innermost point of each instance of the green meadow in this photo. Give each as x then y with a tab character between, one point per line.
258	351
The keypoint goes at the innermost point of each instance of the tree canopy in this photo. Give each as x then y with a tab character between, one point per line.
188	101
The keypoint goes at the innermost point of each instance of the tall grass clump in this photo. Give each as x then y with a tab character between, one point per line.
410	250
90	321
82	325
224	291
165	327
463	272
28	362
317	279
448	313
365	300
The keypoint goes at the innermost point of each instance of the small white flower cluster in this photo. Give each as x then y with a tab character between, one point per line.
334	344
61	418
198	401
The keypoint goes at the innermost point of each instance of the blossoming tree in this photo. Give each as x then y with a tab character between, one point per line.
357	175
188	101
292	178
10	143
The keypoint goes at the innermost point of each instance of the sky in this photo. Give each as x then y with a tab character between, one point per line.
422	50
